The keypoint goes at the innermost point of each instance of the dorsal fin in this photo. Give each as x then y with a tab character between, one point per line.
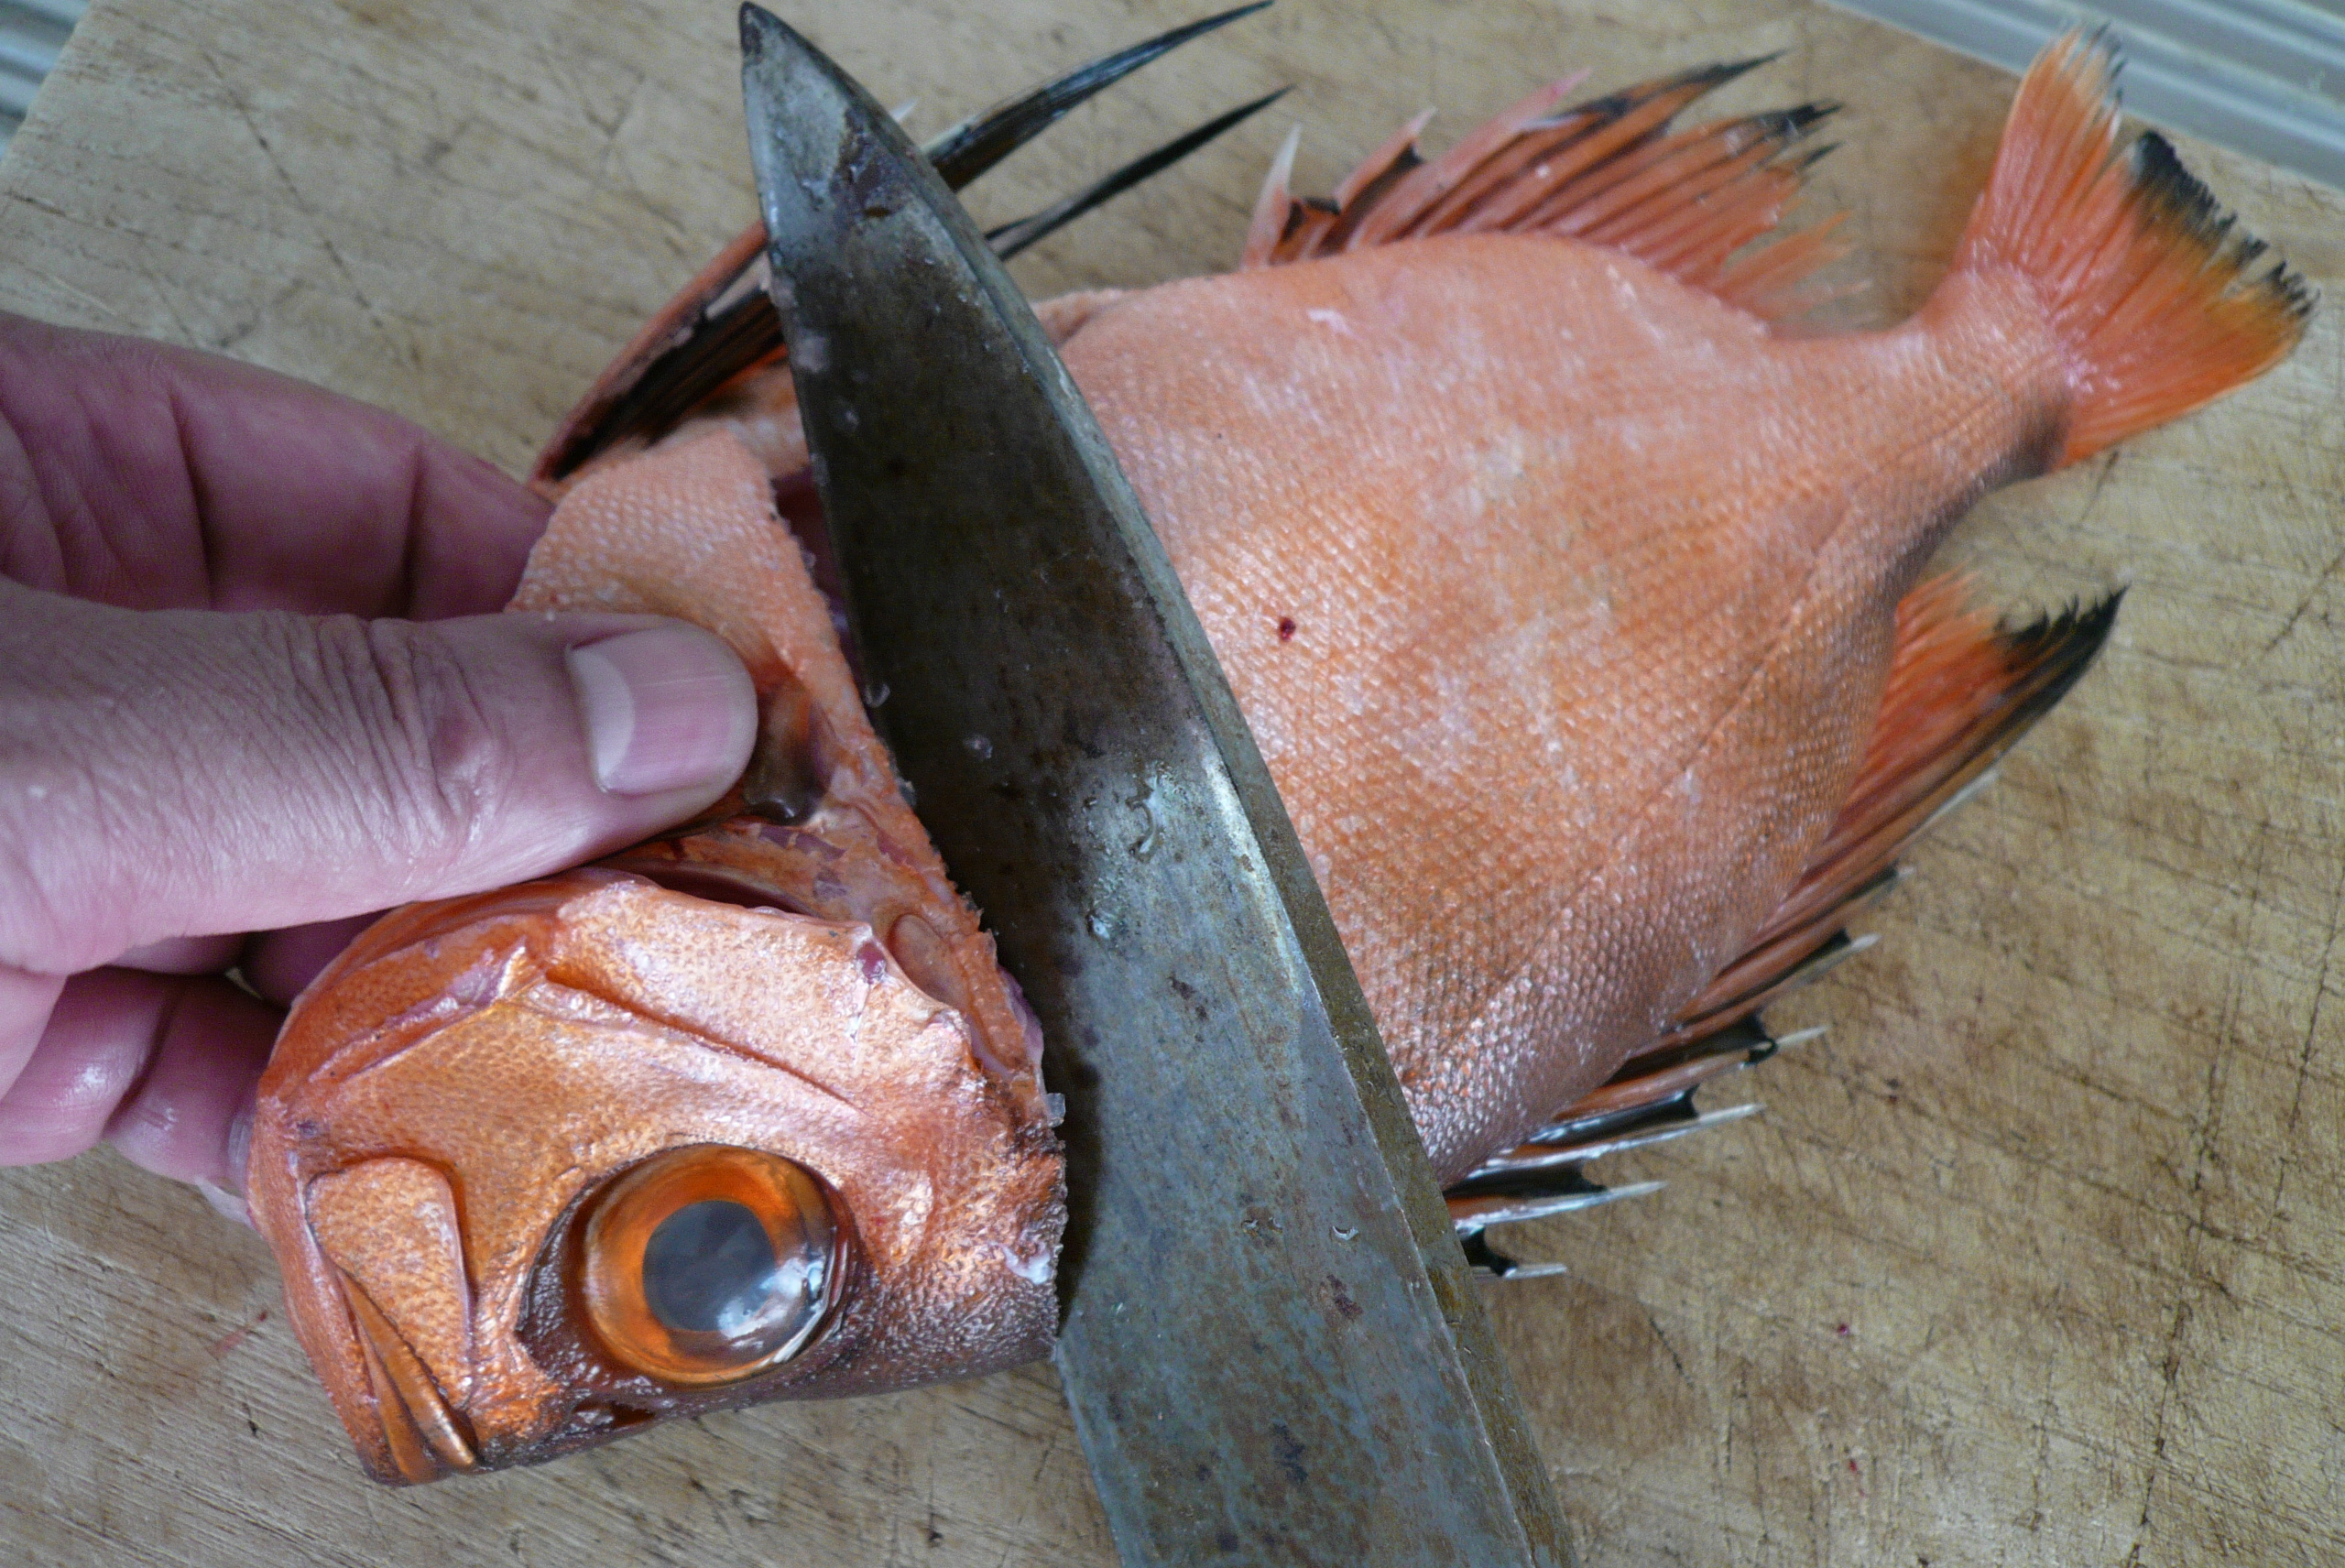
1962	688
1609	171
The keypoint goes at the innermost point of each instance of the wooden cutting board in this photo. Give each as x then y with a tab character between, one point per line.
2034	1259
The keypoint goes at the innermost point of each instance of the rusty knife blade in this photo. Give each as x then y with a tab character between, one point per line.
1272	1344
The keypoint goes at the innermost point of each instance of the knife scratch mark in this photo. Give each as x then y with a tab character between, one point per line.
292	189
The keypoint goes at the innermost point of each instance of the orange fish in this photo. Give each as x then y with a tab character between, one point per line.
1574	607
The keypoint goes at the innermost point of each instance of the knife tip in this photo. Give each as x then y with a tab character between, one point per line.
759	26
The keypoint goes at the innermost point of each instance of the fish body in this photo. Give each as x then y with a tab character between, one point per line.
1563	667
1574	607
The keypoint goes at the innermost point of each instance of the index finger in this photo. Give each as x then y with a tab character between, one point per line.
155	477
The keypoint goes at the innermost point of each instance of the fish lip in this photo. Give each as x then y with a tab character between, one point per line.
423	1435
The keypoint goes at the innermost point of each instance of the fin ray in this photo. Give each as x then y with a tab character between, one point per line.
721	327
1962	689
1609	171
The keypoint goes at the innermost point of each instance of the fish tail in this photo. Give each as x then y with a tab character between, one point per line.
2151	285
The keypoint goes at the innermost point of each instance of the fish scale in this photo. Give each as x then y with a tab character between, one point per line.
1509	979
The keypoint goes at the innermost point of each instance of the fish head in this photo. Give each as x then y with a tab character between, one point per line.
545	1165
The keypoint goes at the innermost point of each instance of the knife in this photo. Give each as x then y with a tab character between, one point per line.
1270	1342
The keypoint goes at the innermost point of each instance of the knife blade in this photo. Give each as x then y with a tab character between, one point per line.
1270	1342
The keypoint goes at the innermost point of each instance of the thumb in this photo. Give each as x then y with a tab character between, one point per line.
179	773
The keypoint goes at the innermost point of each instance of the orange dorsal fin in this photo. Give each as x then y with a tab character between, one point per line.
2152	287
1962	688
1609	171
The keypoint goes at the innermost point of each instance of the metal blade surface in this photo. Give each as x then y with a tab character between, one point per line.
1271	1344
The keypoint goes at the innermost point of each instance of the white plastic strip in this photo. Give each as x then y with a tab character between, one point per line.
2262	77
31	32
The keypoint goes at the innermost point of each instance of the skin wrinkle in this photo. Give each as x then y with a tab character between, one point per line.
24	902
447	763
51	888
134	780
24	516
419	485
112	789
199	510
128	1107
376	542
426	745
124	461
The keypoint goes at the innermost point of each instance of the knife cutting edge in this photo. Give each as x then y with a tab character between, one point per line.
1239	1157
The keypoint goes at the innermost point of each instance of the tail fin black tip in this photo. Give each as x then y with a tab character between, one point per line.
2182	199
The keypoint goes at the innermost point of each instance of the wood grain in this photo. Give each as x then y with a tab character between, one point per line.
2035	1258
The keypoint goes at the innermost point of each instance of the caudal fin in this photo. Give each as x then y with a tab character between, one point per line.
2150	283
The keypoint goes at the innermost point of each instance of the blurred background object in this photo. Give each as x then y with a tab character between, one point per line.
31	32
2262	77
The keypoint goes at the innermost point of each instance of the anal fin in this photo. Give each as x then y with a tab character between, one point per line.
1962	688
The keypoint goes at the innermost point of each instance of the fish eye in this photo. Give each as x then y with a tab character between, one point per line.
707	1264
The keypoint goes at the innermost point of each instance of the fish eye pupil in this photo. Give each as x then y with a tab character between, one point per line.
709	1268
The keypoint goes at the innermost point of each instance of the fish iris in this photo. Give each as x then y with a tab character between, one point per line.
707	1264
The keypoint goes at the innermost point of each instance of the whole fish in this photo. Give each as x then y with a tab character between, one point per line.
1574	605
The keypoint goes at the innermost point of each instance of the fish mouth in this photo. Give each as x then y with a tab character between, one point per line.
425	1437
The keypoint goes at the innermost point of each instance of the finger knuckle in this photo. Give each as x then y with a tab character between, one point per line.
434	741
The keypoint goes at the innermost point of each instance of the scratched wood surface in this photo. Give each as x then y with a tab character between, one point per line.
2033	1259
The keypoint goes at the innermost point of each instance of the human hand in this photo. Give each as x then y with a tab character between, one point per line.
251	691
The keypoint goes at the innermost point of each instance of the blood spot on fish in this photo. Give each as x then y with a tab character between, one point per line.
873	960
1286	628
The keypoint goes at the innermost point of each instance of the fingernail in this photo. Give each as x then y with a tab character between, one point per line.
668	708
